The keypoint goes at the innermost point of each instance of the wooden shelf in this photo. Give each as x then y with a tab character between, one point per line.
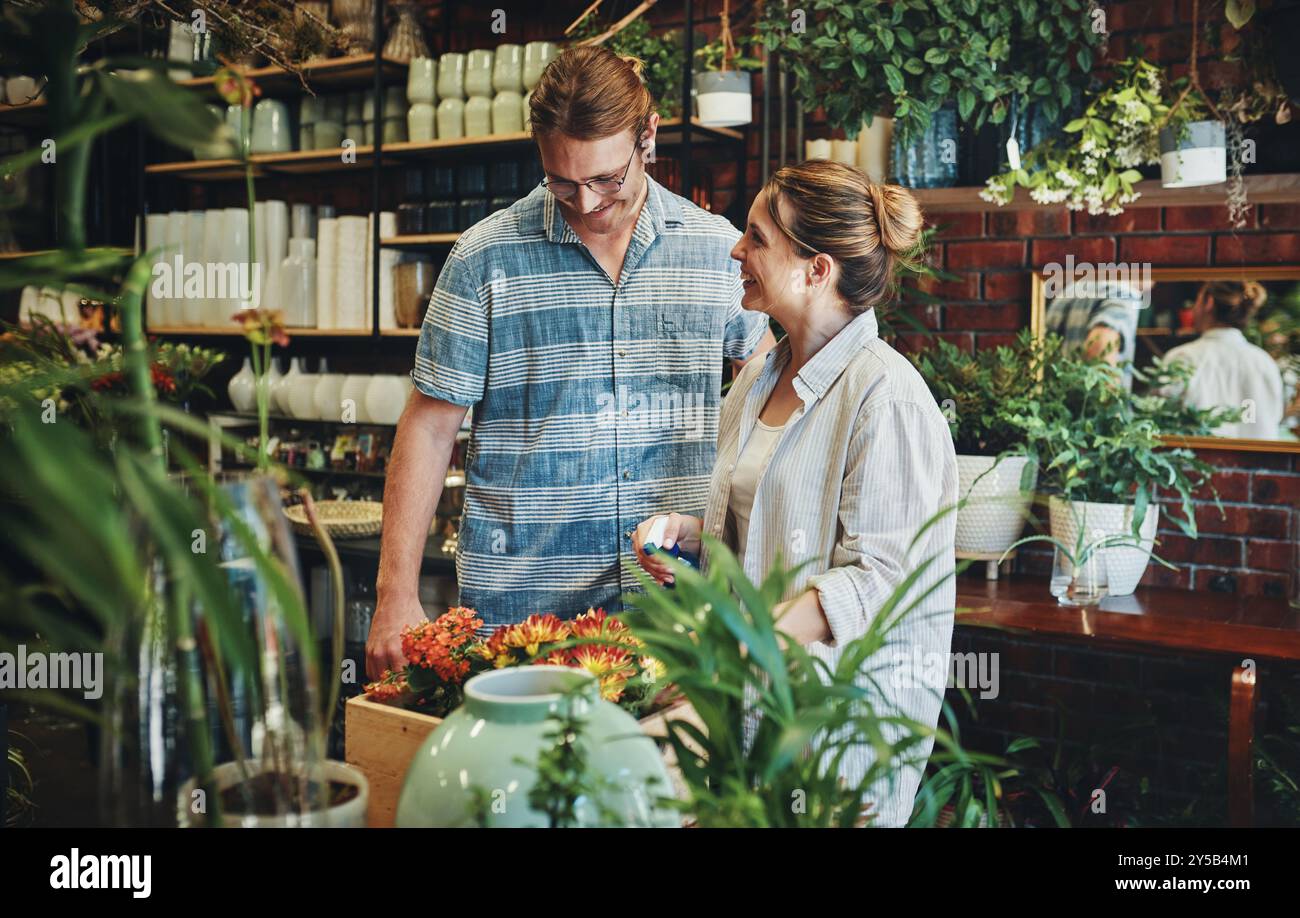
357	71
27	113
306	162
1260	189
399	332
116	250
195	330
422	239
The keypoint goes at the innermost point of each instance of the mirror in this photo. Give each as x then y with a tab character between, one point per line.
1238	327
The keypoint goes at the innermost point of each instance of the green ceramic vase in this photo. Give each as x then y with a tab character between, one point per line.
478	766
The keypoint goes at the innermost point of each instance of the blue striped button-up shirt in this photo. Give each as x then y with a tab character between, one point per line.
595	404
858	470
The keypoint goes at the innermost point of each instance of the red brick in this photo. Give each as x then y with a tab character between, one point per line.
966	286
960	225
985	316
1231	486
1037	221
1165	250
1279	216
1257	249
985	254
1201	218
1254	583
1181	549
985	340
1086	665
912	342
1093	249
1133	220
1251	521
1230	459
1138	14
1168	47
1271	556
1276	489
1006	285
1158	575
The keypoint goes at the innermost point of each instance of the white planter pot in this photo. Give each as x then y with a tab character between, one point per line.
1125	565
349	815
995	513
724	99
301	397
328	398
242	388
1198	157
386	397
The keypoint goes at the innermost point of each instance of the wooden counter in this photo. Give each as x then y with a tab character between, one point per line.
1239	630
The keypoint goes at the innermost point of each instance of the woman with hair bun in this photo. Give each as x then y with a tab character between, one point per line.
832	451
1230	372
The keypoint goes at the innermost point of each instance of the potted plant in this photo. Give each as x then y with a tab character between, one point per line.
722	81
1094	167
1193	145
719	639
121	542
996	465
1104	461
907	60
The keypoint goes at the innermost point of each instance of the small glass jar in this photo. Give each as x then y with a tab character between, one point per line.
451	118
508	68
451	76
478	73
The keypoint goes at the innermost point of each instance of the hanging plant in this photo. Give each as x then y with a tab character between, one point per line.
1094	167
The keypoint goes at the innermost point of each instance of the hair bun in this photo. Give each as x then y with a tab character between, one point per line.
637	65
898	217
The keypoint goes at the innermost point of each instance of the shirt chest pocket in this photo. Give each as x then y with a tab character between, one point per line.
688	346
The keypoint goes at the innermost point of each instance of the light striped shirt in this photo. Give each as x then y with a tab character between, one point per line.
595	404
858	470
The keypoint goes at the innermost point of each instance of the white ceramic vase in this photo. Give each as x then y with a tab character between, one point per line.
327	398
996	507
386	397
1124	565
242	388
281	387
302	396
352	398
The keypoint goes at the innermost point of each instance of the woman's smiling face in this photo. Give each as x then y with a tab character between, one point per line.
772	274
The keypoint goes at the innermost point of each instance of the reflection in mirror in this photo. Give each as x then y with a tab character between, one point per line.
1237	330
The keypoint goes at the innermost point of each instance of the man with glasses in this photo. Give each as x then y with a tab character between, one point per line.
588	325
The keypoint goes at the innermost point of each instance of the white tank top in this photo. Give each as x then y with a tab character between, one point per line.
744	481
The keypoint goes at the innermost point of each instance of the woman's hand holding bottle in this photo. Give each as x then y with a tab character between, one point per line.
663	531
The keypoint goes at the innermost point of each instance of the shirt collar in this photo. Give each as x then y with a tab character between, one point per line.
827	364
542	214
1223	333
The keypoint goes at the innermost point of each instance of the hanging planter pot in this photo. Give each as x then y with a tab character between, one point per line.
1193	155
724	98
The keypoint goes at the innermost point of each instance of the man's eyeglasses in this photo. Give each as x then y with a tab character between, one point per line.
567	189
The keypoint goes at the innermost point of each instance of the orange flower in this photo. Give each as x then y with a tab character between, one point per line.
613	666
263	326
534	631
445	645
597	623
389	687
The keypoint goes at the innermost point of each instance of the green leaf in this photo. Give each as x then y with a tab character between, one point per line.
936	56
965	103
174	113
914	65
894	77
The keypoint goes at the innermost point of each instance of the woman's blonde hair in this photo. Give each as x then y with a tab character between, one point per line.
1235	302
868	228
588	93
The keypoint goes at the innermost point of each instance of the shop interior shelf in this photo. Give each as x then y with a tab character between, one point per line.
353	72
312	161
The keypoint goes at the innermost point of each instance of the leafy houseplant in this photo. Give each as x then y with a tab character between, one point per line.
662	57
722	83
857	60
119	540
1104	460
1095	169
721	645
997	465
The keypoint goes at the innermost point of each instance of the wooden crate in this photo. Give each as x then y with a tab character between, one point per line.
381	740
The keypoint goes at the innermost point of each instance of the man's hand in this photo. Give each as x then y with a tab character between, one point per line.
384	644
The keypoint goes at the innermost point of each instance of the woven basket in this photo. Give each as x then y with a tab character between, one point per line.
342	519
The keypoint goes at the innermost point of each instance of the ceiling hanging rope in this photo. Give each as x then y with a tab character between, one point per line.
1194	78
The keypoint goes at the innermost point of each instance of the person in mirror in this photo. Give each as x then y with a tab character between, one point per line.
831	449
1229	371
556	319
1098	326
